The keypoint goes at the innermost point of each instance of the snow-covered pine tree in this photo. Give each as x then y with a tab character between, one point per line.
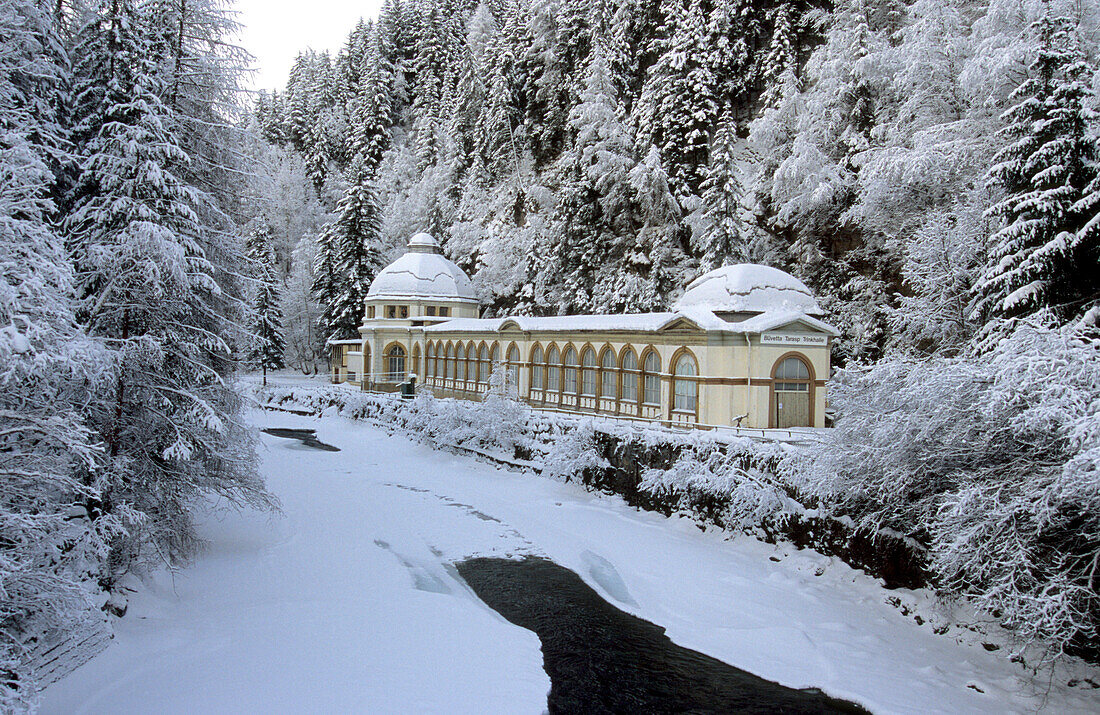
719	233
148	291
372	115
678	106
353	238
266	325
593	215
781	58
48	369
431	71
324	138
351	61
1039	260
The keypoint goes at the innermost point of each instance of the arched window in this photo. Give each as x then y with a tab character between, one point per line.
651	378
416	361
608	381
429	361
513	367
395	364
537	371
470	364
450	362
367	367
793	369
569	372
553	370
483	364
630	376
588	372
685	390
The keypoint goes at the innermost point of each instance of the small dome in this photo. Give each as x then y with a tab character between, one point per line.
424	240
748	288
423	272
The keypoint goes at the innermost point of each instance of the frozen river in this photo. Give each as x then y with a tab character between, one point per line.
350	601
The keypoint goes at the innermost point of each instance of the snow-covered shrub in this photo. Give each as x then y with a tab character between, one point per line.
993	461
723	485
574	453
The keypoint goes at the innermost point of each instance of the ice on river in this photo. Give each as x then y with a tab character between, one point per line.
348	602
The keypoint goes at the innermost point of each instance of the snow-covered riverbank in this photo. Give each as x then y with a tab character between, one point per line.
349	603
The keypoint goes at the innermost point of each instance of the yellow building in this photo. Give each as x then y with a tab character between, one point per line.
744	346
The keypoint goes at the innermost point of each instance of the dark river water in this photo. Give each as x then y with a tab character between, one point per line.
307	437
603	660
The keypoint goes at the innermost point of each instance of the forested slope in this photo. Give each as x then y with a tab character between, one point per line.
591	156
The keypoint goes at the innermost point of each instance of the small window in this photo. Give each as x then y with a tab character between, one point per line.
652	379
404	311
553	370
391	311
536	369
630	376
370	312
431	310
444	311
513	367
588	373
570	372
685	389
607	376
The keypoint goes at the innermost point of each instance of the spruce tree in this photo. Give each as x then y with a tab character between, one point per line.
150	292
719	235
372	117
48	369
781	59
1044	256
678	105
266	326
353	239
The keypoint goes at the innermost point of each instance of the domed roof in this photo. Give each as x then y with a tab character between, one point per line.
748	288
423	272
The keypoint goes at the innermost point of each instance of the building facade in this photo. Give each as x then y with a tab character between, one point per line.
744	346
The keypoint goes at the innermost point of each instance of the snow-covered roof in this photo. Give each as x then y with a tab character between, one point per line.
423	272
635	322
749	288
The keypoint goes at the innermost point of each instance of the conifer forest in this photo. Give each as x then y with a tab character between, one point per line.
930	168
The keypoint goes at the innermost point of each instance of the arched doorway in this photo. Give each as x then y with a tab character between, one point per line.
395	364
792	403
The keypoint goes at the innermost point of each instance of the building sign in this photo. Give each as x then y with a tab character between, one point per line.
794	339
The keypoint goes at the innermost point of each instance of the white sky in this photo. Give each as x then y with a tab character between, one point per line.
275	31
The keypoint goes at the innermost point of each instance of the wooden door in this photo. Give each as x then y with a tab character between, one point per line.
792	408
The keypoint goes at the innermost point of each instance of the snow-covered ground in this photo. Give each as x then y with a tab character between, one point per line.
347	602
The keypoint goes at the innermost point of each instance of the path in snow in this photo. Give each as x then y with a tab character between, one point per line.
349	602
